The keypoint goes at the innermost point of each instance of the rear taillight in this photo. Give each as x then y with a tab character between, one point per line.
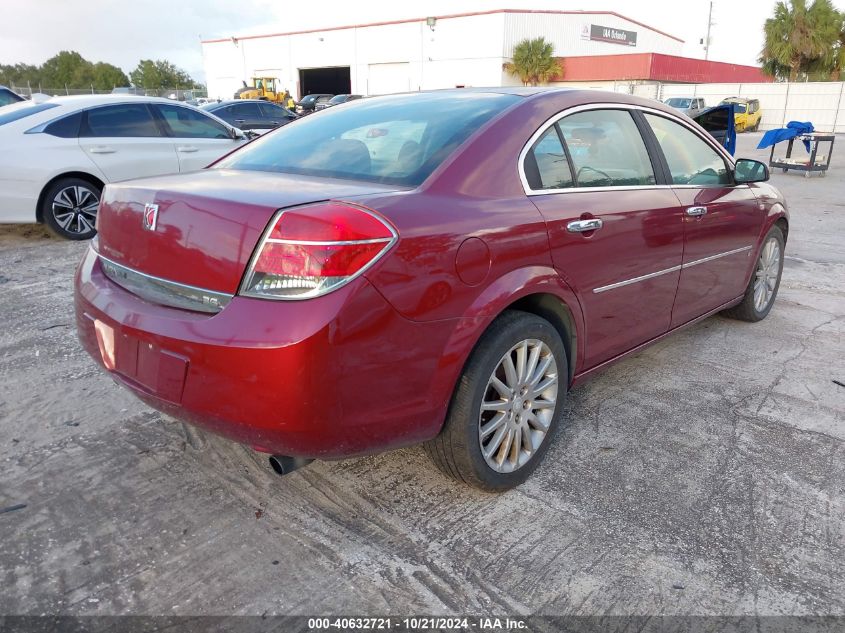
309	251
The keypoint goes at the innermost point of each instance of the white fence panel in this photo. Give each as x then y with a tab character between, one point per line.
822	103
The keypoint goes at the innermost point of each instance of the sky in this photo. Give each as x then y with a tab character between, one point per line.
122	33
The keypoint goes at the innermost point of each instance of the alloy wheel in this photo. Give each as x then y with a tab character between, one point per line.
766	276
518	405
75	209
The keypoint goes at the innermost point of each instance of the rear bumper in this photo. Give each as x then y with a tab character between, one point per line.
336	376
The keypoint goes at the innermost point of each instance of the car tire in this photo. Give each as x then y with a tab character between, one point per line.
765	280
529	416
69	208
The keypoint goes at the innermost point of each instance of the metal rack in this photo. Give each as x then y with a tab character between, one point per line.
815	162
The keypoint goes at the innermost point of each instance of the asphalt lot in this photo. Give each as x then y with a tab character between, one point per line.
705	475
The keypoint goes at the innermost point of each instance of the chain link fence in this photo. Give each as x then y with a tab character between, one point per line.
178	94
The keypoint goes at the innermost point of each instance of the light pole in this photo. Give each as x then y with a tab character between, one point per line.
707	39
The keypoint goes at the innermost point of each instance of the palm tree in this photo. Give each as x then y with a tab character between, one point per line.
534	62
801	39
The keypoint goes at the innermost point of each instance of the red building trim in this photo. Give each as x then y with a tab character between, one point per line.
441	17
657	67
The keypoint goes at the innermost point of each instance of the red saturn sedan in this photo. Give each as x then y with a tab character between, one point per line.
435	268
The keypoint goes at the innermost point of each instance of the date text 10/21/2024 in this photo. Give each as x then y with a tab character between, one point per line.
417	624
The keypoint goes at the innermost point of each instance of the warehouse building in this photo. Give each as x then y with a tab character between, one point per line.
448	51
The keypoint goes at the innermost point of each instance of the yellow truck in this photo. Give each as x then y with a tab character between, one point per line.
747	113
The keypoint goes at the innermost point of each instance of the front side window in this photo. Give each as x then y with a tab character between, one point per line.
546	165
691	160
123	120
186	123
273	111
606	149
398	139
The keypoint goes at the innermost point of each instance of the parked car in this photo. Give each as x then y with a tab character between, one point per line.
719	123
688	105
308	104
58	153
7	96
433	267
129	90
336	100
747	113
251	114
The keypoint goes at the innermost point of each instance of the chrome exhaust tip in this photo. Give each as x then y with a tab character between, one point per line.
284	465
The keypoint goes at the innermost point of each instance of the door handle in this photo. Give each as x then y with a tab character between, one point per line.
584	226
697	211
187	149
102	149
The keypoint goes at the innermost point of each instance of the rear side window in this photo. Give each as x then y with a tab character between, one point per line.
66	127
21	110
398	139
606	149
187	123
546	165
691	160
123	120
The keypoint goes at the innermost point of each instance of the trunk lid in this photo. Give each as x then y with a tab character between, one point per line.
207	224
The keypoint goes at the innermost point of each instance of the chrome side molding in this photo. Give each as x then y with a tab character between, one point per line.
666	271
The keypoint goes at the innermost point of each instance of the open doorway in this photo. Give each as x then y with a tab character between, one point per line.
334	80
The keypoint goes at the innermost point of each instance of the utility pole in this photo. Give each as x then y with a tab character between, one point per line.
707	39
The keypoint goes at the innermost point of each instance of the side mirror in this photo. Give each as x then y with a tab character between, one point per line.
748	170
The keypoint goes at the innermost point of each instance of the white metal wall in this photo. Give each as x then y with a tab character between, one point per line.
564	32
821	103
462	51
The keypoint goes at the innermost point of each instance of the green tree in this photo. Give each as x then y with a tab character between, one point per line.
19	74
107	76
68	68
801	39
160	74
534	62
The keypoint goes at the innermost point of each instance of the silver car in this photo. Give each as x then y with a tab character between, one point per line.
688	105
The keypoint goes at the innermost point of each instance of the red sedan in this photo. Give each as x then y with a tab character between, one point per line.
437	267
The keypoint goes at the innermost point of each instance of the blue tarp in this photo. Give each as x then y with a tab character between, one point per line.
792	129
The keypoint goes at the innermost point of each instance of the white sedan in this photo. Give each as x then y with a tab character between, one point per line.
59	153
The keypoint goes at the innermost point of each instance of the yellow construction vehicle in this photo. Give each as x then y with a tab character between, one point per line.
261	88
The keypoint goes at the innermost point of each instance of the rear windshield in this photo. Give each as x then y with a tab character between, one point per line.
23	109
678	103
397	139
738	107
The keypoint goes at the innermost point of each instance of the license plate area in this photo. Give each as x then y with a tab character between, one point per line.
157	370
